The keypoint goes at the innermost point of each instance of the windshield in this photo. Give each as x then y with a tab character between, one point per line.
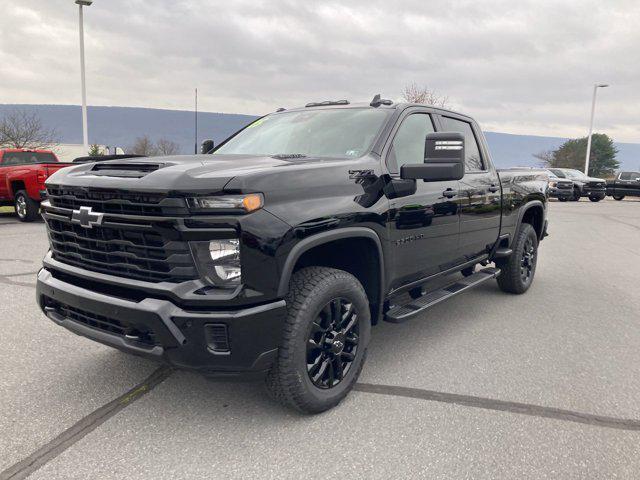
336	133
558	173
575	174
23	158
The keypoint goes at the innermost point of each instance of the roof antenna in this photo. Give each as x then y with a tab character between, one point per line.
377	101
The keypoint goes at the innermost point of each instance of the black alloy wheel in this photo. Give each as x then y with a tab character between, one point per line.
333	343
324	340
518	270
528	260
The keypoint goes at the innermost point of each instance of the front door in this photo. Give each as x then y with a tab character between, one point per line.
480	196
423	227
4	193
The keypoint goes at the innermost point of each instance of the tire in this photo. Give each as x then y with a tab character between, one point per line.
563	199
316	340
27	210
618	197
595	199
576	195
523	260
467	272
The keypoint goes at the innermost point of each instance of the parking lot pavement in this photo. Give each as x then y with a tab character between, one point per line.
49	379
487	385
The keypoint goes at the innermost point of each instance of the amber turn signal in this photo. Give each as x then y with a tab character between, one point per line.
252	202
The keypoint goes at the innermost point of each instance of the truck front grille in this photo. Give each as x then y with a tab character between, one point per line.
115	201
139	252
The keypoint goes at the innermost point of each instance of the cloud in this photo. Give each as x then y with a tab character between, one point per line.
519	67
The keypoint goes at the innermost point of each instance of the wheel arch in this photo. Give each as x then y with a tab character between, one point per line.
365	260
533	213
16	186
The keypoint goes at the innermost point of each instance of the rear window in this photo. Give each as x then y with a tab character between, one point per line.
629	175
25	158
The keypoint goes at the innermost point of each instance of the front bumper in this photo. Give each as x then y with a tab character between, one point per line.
598	192
182	338
560	192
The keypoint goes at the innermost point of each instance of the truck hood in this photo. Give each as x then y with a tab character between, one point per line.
188	173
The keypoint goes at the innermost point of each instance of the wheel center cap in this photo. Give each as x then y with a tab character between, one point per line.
336	344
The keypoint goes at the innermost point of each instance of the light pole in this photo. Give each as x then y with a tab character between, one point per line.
593	111
85	129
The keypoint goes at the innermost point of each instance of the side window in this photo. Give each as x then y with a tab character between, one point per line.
473	159
408	143
629	175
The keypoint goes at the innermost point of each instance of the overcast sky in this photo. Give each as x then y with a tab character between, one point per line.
517	66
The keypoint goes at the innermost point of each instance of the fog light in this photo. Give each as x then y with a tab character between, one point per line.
224	249
218	261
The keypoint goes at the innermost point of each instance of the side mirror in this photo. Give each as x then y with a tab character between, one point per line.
207	146
443	159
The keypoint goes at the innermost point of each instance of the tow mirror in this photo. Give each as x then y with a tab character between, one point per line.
207	146
443	159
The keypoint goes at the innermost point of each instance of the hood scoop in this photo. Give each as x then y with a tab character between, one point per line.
128	170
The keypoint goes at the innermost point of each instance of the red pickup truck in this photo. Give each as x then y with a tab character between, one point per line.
22	176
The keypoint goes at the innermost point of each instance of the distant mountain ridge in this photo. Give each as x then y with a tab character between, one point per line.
119	126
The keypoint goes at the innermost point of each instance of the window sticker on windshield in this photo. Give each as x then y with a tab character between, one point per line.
352	153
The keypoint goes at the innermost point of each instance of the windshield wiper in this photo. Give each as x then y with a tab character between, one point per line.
287	156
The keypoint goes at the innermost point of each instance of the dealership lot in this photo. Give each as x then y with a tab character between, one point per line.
488	385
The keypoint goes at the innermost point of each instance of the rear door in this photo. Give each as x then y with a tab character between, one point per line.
480	194
423	227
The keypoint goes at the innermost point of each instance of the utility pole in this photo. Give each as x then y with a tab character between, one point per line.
195	150
85	128
593	111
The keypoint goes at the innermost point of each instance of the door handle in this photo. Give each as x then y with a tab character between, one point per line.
449	193
494	188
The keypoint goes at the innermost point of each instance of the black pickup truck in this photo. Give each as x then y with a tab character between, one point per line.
583	186
626	184
275	255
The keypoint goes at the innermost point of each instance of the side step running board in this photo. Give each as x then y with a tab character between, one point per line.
402	313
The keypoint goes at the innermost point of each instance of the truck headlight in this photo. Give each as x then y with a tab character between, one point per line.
226	203
553	184
218	261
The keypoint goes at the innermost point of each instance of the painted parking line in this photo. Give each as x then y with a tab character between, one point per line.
83	427
501	406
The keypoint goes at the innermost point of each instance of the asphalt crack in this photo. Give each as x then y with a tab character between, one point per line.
83	427
501	406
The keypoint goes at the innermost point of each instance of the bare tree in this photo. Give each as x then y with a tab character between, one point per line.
546	157
22	129
413	93
147	147
143	146
167	147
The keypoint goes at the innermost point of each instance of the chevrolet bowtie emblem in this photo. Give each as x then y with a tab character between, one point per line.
86	217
